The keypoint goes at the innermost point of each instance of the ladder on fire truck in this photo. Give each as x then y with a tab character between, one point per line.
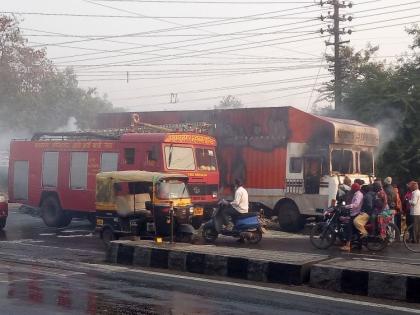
114	134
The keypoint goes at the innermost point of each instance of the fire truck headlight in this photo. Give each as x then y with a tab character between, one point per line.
214	194
191	210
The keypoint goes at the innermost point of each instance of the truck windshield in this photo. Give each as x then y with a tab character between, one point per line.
366	163
179	158
172	189
342	161
206	159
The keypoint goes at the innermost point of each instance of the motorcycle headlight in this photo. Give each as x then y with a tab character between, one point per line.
3	198
191	210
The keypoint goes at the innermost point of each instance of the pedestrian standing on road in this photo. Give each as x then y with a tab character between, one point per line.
398	207
366	211
407	208
354	207
415	211
390	194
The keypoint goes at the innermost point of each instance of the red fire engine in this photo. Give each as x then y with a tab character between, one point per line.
56	171
291	162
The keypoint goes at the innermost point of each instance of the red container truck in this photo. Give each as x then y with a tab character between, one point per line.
290	161
56	172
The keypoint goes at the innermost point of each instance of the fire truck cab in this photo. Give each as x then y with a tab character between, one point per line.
56	172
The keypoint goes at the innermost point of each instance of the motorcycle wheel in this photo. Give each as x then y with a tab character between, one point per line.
376	244
209	235
322	236
256	237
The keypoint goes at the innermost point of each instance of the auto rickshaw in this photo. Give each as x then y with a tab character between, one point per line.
145	204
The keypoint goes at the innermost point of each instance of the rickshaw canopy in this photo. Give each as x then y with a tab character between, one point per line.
137	176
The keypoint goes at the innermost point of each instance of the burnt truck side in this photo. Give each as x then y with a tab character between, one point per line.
291	162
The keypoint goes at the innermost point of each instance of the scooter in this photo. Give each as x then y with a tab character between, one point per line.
247	227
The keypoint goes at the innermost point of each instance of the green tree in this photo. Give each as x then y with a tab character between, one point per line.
230	101
34	94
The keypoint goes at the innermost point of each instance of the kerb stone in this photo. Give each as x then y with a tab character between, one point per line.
328	278
177	260
215	265
257	270
387	286
141	256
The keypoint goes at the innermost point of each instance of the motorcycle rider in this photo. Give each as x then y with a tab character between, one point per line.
366	211
354	207
237	206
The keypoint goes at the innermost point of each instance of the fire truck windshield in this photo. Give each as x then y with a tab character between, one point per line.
206	159
179	158
172	189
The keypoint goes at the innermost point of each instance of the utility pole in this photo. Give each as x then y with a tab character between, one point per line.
336	32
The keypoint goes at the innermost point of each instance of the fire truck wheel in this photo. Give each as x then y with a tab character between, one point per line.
2	223
52	214
290	219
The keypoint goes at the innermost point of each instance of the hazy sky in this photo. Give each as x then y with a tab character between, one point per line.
266	53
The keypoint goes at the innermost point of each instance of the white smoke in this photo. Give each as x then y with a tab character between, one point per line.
70	126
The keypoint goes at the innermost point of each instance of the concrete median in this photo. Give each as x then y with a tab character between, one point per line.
368	277
240	263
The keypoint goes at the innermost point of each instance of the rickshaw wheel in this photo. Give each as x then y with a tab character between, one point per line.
108	235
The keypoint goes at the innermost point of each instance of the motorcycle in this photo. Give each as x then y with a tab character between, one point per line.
324	234
246	226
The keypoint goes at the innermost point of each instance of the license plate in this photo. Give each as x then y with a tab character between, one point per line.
198	211
99	222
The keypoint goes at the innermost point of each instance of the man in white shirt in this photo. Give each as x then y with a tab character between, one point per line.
238	205
415	211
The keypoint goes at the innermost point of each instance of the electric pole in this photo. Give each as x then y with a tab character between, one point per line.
335	31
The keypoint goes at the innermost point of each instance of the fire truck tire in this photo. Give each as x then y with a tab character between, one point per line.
2	223
52	213
290	219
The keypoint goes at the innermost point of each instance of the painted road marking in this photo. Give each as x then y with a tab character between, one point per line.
261	288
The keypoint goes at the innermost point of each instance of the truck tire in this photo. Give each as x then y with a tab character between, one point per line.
290	219
2	223
52	214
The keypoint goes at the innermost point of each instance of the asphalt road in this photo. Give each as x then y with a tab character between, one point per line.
62	271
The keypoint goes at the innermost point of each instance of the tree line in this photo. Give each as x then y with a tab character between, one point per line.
34	94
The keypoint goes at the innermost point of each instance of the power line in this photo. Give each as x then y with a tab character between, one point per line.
240	94
195	75
213	51
62	14
207	24
161	47
206	2
241	86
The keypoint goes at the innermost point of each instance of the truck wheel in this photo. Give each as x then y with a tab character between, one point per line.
2	223
290	219
52	214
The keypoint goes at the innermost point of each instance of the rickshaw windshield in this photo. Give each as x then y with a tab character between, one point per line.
172	189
